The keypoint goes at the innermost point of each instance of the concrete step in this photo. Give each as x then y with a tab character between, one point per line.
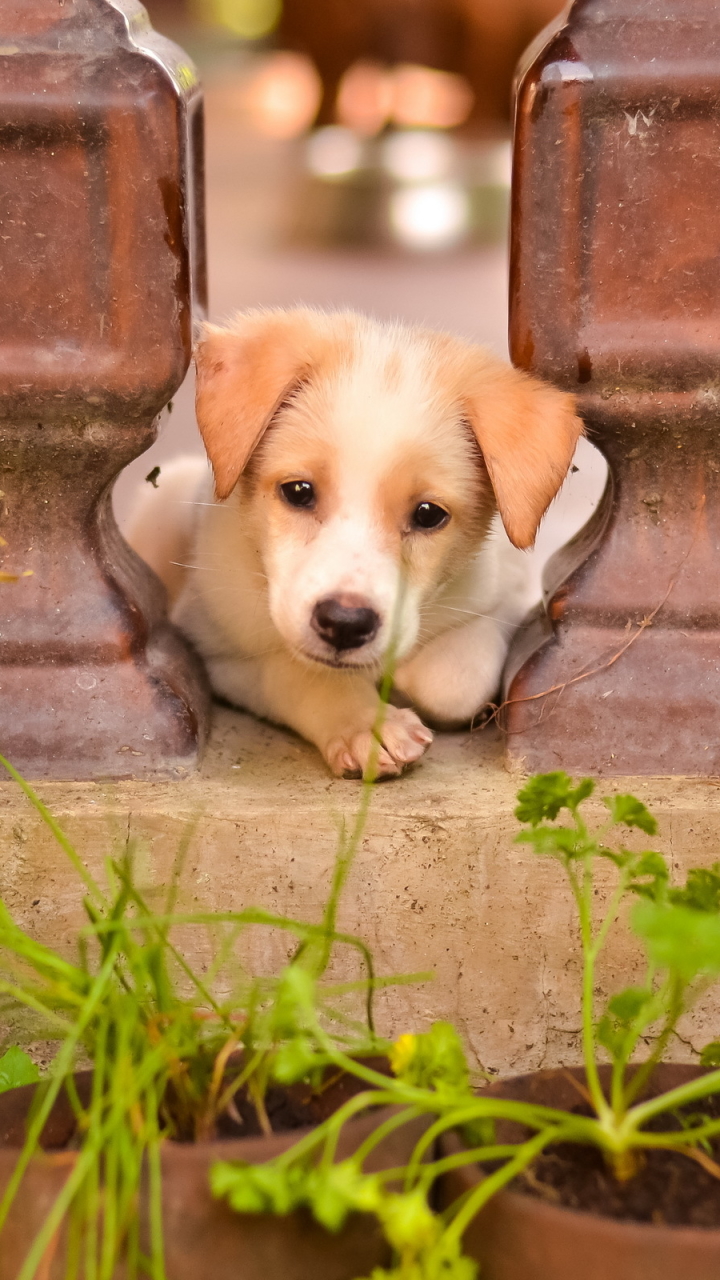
438	883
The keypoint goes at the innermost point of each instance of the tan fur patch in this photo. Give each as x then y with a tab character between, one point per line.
393	371
526	430
246	371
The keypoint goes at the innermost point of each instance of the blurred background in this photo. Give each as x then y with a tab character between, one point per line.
359	155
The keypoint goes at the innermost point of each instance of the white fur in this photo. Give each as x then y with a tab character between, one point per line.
222	603
247	604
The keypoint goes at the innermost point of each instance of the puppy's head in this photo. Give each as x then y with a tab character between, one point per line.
371	459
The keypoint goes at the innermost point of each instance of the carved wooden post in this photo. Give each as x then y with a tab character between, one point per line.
615	295
98	258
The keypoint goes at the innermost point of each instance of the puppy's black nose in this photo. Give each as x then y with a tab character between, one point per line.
345	622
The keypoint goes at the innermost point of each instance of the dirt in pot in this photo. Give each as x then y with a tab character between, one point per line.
296	1106
668	1188
289	1107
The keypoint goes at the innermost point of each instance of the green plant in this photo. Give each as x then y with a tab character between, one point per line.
17	1068
172	1046
680	931
161	1036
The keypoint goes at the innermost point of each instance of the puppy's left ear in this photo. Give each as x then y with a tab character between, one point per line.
527	432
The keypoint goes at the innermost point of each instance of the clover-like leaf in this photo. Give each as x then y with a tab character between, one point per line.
443	1260
556	842
547	793
631	812
259	1188
334	1192
701	891
408	1221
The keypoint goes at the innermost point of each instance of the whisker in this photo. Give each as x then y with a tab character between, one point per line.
471	613
179	565
209	568
189	502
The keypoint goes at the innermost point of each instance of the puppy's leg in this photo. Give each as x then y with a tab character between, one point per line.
458	672
334	709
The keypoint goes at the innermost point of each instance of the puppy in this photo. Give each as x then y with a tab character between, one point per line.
374	489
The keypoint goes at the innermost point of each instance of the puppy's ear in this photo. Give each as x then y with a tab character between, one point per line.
244	373
527	432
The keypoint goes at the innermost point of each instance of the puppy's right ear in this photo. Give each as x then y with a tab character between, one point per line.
244	373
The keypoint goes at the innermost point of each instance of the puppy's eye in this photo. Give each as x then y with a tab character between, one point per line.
298	493
428	515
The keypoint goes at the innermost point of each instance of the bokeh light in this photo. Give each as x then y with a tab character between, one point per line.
334	152
432	216
283	95
424	97
365	98
248	19
417	155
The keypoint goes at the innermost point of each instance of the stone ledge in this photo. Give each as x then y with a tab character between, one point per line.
438	883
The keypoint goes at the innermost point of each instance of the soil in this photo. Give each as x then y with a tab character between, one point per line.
297	1106
669	1188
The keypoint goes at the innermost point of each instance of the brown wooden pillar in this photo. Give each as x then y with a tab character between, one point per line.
615	295
100	254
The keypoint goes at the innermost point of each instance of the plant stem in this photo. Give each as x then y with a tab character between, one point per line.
703	1087
383	1130
643	1073
492	1184
583	897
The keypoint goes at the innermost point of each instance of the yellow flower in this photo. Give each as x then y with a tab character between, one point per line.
402	1053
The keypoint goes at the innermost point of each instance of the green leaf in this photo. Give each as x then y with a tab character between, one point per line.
609	1036
547	793
710	1056
443	1261
408	1221
335	1192
17	1068
294	1060
702	889
627	1004
651	863
259	1188
631	812
294	1004
679	938
554	842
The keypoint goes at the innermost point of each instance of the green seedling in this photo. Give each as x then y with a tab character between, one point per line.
679	929
170	1045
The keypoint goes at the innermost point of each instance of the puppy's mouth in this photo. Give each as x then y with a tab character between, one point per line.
339	661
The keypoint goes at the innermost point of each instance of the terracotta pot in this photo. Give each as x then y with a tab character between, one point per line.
518	1237
204	1238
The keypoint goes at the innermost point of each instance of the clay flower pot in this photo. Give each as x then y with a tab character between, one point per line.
519	1237
204	1238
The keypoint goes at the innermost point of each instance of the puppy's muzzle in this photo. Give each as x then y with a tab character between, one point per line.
345	622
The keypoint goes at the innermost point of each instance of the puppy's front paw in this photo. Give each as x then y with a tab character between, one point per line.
403	739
